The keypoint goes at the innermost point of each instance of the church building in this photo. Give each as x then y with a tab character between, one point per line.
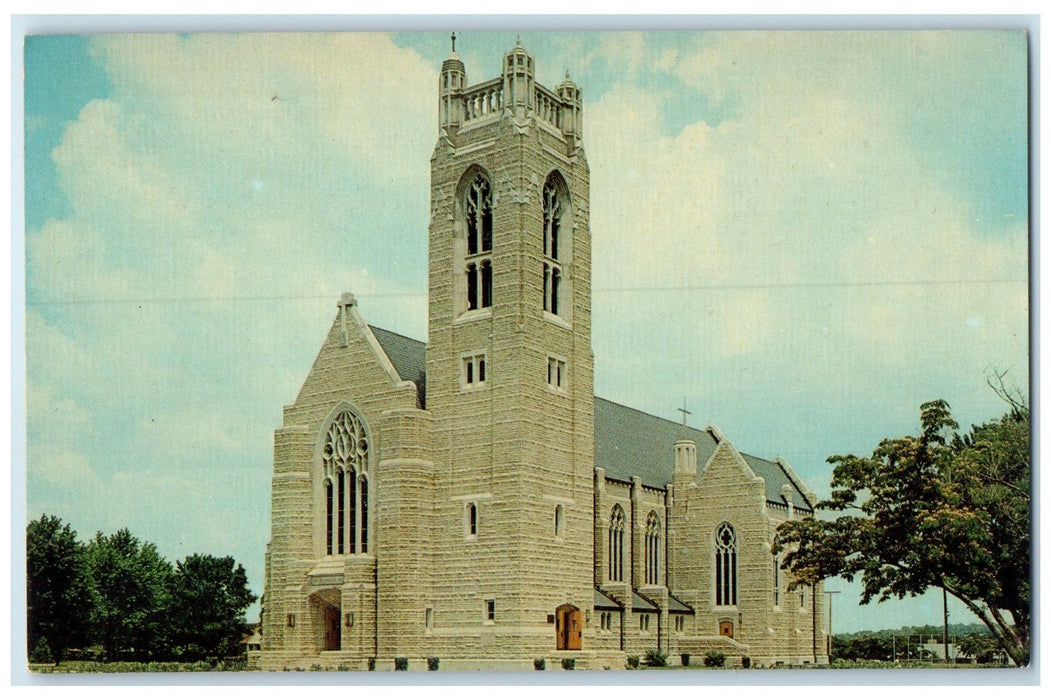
469	498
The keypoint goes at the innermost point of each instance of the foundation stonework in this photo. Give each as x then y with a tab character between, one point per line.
471	516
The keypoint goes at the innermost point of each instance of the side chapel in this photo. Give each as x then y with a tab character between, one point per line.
470	498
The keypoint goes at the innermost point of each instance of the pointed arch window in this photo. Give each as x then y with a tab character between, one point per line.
345	461
554	205
653	549
478	220
725	565
616	544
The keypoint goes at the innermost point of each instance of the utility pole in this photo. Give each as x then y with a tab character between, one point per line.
830	594
945	623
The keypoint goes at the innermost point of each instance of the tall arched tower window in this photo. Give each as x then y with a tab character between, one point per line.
555	198
478	224
653	549
725	565
616	544
345	462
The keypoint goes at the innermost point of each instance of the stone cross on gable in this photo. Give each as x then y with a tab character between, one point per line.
684	411
346	302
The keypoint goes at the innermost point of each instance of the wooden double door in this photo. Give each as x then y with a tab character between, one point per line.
569	622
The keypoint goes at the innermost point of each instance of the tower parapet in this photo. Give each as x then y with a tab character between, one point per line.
515	93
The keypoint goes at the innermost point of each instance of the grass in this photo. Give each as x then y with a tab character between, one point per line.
138	667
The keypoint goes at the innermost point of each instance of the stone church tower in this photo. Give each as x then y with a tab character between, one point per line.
509	362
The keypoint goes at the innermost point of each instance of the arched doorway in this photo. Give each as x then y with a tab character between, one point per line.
569	623
726	628
328	618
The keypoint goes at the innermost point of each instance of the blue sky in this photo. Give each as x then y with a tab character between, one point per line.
805	235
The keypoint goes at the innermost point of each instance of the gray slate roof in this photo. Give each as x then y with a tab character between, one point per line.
604	602
628	442
631	443
409	358
640	603
677	606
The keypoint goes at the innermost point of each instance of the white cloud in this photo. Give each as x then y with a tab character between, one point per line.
62	468
351	97
55	416
809	183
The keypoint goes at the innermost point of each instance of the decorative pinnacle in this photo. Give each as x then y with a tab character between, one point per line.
453	37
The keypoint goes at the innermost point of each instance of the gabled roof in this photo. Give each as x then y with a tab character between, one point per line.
409	358
631	443
628	442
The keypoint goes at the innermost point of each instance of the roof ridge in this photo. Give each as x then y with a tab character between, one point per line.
646	413
400	335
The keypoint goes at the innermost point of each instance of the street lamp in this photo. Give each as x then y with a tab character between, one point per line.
830	594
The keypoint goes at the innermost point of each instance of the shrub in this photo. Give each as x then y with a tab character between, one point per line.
41	653
654	657
746	662
401	663
569	664
714	659
633	662
539	664
432	663
685	659
372	664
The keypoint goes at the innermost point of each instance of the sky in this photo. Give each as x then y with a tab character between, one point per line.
803	236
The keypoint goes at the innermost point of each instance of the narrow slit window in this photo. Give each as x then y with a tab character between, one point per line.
328	516
556	373
474	371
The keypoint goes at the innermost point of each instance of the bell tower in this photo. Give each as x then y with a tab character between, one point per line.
510	365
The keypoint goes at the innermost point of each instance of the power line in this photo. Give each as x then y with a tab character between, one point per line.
595	290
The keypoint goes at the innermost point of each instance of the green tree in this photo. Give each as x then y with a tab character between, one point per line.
209	596
132	582
981	647
58	589
938	510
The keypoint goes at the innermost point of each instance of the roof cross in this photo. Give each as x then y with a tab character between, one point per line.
453	37
684	411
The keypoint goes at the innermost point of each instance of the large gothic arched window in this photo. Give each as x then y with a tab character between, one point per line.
616	544
345	462
554	203
725	565
478	221
653	549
